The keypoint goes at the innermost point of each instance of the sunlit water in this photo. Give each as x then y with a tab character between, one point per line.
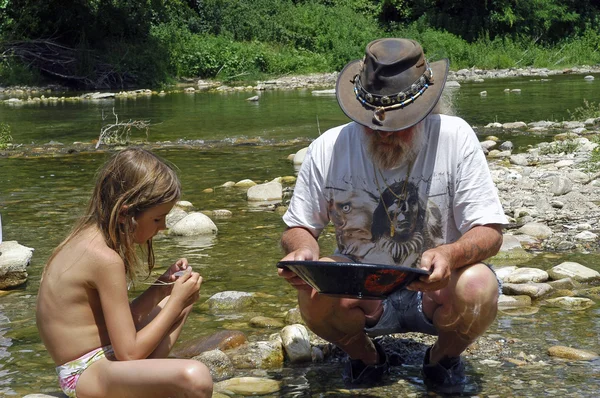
41	197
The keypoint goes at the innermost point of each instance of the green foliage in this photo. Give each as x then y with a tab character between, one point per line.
593	163
13	73
587	111
210	56
559	147
5	137
149	41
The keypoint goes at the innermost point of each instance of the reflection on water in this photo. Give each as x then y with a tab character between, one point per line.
41	198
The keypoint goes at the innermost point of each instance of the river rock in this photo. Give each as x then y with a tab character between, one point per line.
248	386
222	340
520	311
503	272
218	363
258	355
299	156
14	259
560	186
536	230
184	205
230	300
265	322
296	343
526	274
586	236
519	159
514	125
576	271
220	213
531	289
265	192
563	283
293	316
246	183
505	301
175	215
571	303
194	224
571	353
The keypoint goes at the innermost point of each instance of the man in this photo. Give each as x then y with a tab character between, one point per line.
403	186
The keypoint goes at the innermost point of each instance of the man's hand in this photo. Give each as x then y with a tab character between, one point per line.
300	245
477	244
438	261
303	254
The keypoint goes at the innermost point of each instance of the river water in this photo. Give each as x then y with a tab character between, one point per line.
40	197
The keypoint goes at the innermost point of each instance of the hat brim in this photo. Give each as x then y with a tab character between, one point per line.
395	119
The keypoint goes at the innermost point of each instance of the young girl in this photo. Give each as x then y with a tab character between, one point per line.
103	345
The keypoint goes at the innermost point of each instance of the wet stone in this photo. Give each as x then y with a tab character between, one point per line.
265	322
248	386
223	340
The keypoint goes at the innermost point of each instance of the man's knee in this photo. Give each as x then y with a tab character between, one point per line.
476	285
315	308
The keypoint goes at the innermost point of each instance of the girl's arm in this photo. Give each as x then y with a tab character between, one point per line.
127	342
161	288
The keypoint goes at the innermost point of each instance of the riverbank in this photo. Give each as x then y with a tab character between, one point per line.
19	94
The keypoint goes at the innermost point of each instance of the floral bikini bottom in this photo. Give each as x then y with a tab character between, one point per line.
69	373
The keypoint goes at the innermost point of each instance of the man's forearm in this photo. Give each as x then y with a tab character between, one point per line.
299	238
476	245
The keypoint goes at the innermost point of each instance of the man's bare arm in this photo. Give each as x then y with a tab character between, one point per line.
300	242
475	245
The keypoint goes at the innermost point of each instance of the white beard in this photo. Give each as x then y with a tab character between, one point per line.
395	149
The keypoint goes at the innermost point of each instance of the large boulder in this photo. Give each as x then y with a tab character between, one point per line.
194	224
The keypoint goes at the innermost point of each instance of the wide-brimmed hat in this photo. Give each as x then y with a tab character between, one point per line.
393	87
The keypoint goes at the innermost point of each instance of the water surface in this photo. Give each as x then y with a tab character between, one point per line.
40	197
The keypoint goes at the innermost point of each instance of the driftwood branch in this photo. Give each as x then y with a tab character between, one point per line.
76	66
120	132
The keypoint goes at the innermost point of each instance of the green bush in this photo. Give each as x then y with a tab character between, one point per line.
589	110
14	73
5	137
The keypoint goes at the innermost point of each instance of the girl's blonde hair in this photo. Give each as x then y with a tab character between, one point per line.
130	182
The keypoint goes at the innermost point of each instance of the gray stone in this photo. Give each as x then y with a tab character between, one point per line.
571	303
299	156
536	230
194	224
230	300
505	301
218	363
296	343
248	386
265	192
245	183
576	271
14	259
571	353
560	186
526	274
258	355
531	289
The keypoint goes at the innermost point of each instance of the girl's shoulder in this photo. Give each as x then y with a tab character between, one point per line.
89	247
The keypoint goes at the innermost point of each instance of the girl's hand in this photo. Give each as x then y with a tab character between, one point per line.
186	289
179	265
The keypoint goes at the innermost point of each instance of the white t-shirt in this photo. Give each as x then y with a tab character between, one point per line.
381	216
